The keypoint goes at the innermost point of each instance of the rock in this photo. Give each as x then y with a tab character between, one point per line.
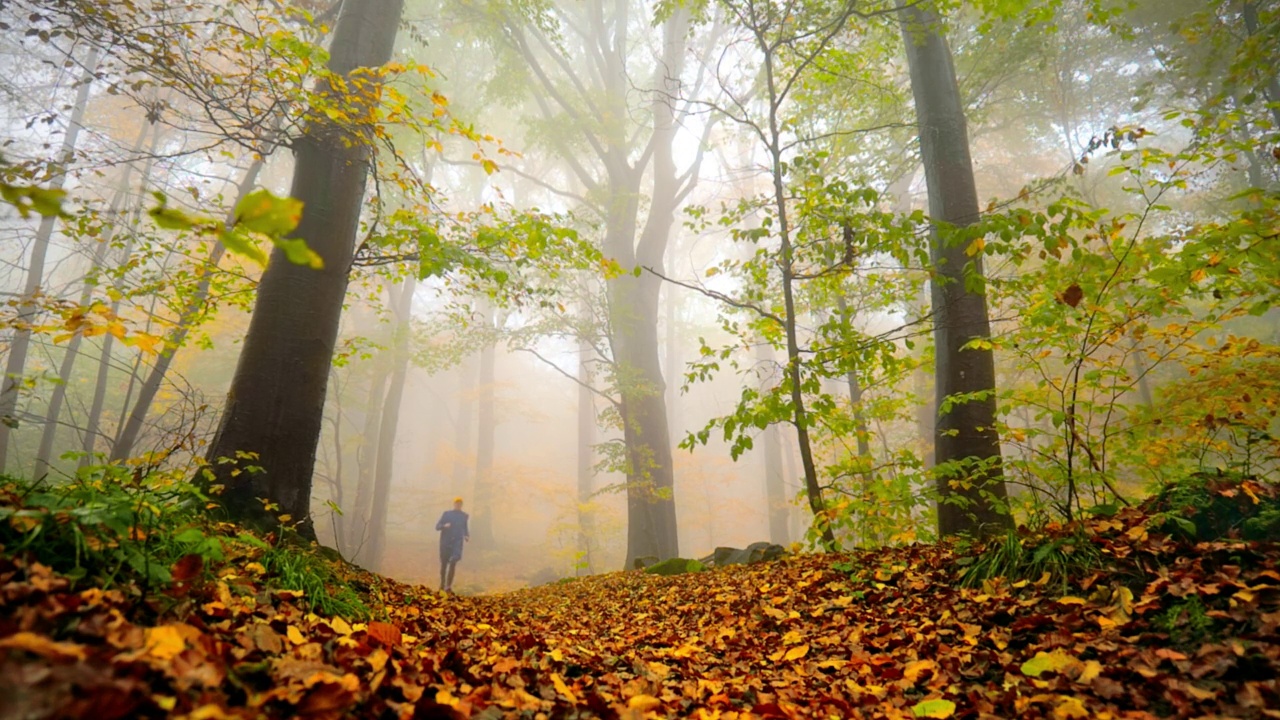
753	553
675	566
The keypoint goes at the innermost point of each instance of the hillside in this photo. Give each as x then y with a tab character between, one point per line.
1159	628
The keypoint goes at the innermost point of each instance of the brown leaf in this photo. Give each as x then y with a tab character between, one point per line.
1072	295
386	633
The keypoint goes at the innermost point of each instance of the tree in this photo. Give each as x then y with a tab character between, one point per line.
14	367
591	94
275	404
971	486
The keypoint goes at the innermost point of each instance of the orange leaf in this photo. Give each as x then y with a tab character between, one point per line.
385	633
43	646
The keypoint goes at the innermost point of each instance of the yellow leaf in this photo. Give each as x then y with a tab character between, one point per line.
791	638
557	655
1070	707
164	642
644	703
295	635
1070	600
42	646
340	626
563	689
797	652
914	669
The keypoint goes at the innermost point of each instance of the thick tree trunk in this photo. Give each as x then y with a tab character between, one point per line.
132	428
967	446
651	516
482	505
633	319
275	406
387	426
28	307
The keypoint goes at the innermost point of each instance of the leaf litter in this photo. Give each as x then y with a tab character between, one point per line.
1186	631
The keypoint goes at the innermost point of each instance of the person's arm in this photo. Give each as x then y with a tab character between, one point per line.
441	524
466	528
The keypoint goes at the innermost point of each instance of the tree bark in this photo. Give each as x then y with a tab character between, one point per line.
28	308
275	406
387	426
970	481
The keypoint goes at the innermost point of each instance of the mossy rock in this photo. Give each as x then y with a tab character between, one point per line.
675	566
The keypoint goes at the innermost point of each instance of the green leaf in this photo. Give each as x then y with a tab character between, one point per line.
299	254
240	243
937	708
262	212
189	535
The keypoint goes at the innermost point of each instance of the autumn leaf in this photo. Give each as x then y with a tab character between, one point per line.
934	708
43	646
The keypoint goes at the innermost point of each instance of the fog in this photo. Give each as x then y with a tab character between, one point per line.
595	234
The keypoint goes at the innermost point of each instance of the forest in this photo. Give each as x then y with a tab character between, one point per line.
788	358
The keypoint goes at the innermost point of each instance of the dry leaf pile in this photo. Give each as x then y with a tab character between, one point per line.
793	638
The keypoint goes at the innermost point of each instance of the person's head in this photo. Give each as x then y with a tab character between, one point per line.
457	503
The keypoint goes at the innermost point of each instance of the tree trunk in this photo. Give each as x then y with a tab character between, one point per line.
132	428
275	406
51	418
967	448
464	428
367	461
94	420
586	457
28	308
633	320
482	505
387	426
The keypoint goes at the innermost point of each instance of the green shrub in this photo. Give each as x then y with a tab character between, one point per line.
301	569
106	528
1207	506
1019	555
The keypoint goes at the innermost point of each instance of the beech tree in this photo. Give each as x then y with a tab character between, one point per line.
966	444
275	404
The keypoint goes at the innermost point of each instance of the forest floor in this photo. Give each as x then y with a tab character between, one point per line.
1158	629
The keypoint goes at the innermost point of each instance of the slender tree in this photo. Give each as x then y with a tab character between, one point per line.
381	496
275	405
967	446
29	306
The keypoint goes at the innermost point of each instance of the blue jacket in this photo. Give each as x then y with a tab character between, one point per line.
452	537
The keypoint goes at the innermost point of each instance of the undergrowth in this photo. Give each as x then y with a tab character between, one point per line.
152	537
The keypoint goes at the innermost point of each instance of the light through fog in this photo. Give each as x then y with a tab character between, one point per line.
570	260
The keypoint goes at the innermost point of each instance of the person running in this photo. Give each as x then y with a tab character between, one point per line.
453	533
